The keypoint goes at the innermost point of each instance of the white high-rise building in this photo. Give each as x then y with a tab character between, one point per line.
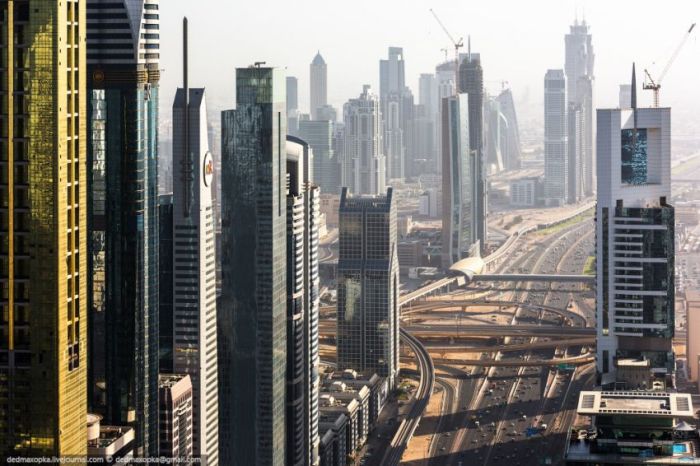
194	274
579	89
318	85
555	138
363	166
634	247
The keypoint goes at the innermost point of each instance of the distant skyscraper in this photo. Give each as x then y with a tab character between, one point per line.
327	113
253	314
625	99
392	86
579	89
471	82
319	135
368	285
427	92
635	242
555	138
459	187
303	379
495	127
446	87
292	106
123	76
511	158
43	328
363	167
194	258
574	163
318	73
175	414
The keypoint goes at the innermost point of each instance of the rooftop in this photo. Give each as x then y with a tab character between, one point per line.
656	404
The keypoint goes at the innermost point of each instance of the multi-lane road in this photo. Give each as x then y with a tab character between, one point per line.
486	424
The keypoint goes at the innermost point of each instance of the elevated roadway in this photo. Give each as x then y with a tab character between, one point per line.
533	277
408	426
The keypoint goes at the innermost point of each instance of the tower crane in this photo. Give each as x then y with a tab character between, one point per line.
655	85
458	44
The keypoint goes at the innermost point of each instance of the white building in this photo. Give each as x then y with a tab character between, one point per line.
194	275
635	241
523	192
363	167
318	85
555	138
580	79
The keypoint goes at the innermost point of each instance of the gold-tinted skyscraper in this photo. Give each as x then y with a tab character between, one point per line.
43	230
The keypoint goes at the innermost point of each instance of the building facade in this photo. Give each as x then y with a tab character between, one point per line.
392	87
555	139
123	76
43	331
580	60
194	275
253	314
635	242
513	151
303	301
363	168
460	187
318	85
326	170
368	285
175	416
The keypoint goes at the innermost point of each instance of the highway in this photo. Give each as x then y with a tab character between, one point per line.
540	395
408	426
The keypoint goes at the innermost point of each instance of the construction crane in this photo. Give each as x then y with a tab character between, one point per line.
457	45
655	85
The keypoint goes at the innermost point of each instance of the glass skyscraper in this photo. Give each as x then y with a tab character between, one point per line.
253	311
368	285
123	78
43	210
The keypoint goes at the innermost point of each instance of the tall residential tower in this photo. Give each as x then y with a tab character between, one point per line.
123	78
194	263
253	312
43	193
318	85
635	245
555	138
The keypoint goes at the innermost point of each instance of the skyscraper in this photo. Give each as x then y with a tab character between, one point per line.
555	138
194	259
292	105
392	86
43	327
511	158
368	285
318	85
459	184
363	165
253	314
303	301
123	76
635	242
579	89
319	135
471	82
494	134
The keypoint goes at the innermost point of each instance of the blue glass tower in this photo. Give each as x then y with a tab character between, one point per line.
123	76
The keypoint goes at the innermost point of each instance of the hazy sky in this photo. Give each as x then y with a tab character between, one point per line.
518	41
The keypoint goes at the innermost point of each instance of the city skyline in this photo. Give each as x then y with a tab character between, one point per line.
352	63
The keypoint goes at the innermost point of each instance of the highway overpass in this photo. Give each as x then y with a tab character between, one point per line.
533	277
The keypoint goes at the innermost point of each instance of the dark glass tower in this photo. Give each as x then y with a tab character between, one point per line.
368	285
252	311
123	213
471	81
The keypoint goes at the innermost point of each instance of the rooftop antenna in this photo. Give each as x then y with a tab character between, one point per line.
469	47
187	168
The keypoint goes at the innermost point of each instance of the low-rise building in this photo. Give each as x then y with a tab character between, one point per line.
634	427
692	316
378	390
333	447
526	192
109	443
